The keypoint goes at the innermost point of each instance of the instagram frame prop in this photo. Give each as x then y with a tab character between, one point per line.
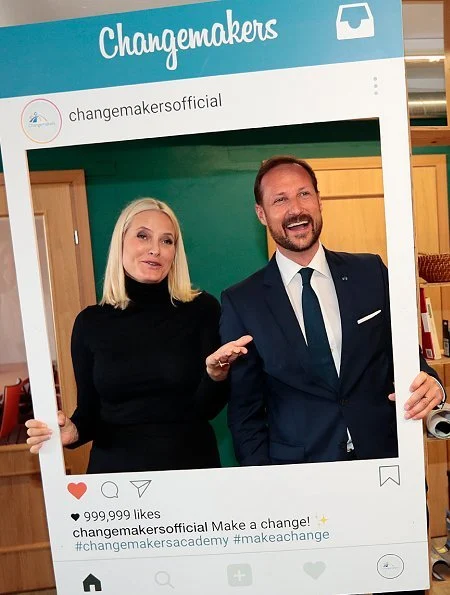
347	527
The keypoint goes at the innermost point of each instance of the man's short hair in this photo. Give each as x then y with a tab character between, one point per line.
275	161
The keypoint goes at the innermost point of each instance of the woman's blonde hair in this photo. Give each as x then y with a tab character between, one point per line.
114	291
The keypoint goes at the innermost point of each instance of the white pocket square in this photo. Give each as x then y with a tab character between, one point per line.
368	317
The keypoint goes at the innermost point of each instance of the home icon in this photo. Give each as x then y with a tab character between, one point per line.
91	581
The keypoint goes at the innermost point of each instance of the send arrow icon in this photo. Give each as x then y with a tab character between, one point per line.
141	486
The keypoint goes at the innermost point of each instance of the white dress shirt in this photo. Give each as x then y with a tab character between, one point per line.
323	285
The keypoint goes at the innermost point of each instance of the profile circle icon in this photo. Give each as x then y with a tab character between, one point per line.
390	566
41	121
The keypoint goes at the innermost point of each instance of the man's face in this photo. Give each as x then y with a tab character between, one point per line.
291	209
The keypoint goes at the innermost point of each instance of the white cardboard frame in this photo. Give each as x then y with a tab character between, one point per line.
365	521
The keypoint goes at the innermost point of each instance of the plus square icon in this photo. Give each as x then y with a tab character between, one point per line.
239	575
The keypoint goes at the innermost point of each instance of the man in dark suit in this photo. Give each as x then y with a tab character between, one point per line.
317	382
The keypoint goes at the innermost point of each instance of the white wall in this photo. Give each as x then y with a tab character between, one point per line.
12	345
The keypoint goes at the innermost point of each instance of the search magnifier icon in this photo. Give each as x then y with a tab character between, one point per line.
162	578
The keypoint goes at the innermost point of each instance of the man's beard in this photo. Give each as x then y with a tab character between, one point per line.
285	242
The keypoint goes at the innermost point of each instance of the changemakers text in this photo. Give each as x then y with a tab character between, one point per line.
115	43
144	108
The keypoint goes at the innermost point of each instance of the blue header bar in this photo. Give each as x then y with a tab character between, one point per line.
194	41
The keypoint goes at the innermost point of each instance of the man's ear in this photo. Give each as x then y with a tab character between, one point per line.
320	201
260	214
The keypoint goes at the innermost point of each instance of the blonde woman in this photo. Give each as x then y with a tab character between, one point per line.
146	383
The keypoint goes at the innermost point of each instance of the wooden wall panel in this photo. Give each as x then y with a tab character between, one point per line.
438	492
25	559
26	569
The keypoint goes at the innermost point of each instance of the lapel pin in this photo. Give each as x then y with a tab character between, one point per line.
344	278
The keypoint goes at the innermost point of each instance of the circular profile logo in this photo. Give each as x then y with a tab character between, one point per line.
390	566
41	120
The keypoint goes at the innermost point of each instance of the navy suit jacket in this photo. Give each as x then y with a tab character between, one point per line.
279	412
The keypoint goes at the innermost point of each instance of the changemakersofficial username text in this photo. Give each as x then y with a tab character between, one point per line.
145	108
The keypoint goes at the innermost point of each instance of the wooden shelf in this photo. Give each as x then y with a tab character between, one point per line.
425	284
424	136
444	361
42	545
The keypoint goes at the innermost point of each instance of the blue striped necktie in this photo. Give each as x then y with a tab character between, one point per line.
316	334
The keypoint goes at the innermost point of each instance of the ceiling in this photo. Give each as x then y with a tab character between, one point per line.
423	21
18	12
423	30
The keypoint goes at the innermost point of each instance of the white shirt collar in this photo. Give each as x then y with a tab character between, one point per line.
289	268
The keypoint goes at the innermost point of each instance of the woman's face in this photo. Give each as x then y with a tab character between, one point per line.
149	247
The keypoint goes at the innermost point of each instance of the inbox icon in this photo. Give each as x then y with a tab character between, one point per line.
354	21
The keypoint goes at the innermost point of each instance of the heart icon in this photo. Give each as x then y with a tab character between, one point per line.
75	516
77	489
314	569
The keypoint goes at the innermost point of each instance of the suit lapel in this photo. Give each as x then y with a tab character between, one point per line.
345	291
281	308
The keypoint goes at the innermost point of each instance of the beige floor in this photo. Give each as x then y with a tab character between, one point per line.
437	588
440	588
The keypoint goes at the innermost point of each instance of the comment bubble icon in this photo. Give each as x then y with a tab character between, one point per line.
110	489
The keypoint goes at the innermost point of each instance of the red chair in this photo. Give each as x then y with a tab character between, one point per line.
10	409
25	404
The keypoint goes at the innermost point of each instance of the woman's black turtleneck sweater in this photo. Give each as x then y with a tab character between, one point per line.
144	397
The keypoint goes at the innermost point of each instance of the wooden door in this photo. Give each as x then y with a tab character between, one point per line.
60	199
353	212
353	204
